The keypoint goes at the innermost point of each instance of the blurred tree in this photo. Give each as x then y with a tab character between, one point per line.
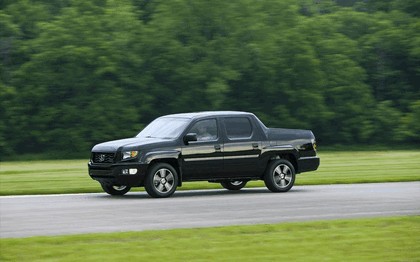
191	54
342	82
6	96
388	121
9	33
410	129
74	83
146	9
384	44
9	36
387	59
372	6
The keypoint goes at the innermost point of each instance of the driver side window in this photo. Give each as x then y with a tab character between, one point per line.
206	130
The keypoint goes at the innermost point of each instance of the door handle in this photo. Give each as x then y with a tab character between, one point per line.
255	145
217	147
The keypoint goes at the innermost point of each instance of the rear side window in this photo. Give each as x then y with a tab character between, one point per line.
238	127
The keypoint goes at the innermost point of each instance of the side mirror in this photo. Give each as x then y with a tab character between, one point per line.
190	137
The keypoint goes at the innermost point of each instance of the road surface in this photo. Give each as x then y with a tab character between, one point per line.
24	216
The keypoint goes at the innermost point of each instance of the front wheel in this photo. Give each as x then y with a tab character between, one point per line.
280	176
115	190
233	185
161	180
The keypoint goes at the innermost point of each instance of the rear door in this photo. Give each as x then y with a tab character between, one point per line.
242	147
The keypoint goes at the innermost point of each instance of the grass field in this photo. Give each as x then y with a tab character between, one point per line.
70	176
379	239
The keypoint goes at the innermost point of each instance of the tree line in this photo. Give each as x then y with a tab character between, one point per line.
75	72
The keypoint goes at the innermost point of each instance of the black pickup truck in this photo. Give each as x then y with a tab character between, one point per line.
226	147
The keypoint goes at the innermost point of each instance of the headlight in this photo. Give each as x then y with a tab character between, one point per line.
130	154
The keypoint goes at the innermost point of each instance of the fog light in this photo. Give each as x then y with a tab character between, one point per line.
133	171
124	171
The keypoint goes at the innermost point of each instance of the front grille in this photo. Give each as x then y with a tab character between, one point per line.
103	157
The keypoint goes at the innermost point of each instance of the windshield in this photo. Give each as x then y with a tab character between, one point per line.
165	127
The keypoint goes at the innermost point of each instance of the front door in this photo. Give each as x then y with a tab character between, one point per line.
203	159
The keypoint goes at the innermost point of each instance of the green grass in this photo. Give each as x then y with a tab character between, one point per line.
378	239
70	176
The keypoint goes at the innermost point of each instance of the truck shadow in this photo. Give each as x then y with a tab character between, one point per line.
202	193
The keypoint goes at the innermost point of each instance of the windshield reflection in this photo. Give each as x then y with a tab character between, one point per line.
165	128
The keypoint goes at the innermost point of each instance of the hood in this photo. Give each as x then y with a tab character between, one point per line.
113	146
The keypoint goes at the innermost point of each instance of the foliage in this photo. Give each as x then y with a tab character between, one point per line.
74	73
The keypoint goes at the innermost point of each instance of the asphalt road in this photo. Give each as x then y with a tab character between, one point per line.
24	216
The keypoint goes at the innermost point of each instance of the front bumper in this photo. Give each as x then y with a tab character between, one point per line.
112	174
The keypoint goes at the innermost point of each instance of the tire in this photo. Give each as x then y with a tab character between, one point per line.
280	176
161	180
234	184
115	190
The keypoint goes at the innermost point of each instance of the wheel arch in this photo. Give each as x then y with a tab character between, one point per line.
170	161
292	159
289	156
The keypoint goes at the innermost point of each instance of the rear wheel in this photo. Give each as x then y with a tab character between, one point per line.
115	190
161	180
233	185
280	176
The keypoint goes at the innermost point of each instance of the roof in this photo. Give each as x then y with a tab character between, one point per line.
208	113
